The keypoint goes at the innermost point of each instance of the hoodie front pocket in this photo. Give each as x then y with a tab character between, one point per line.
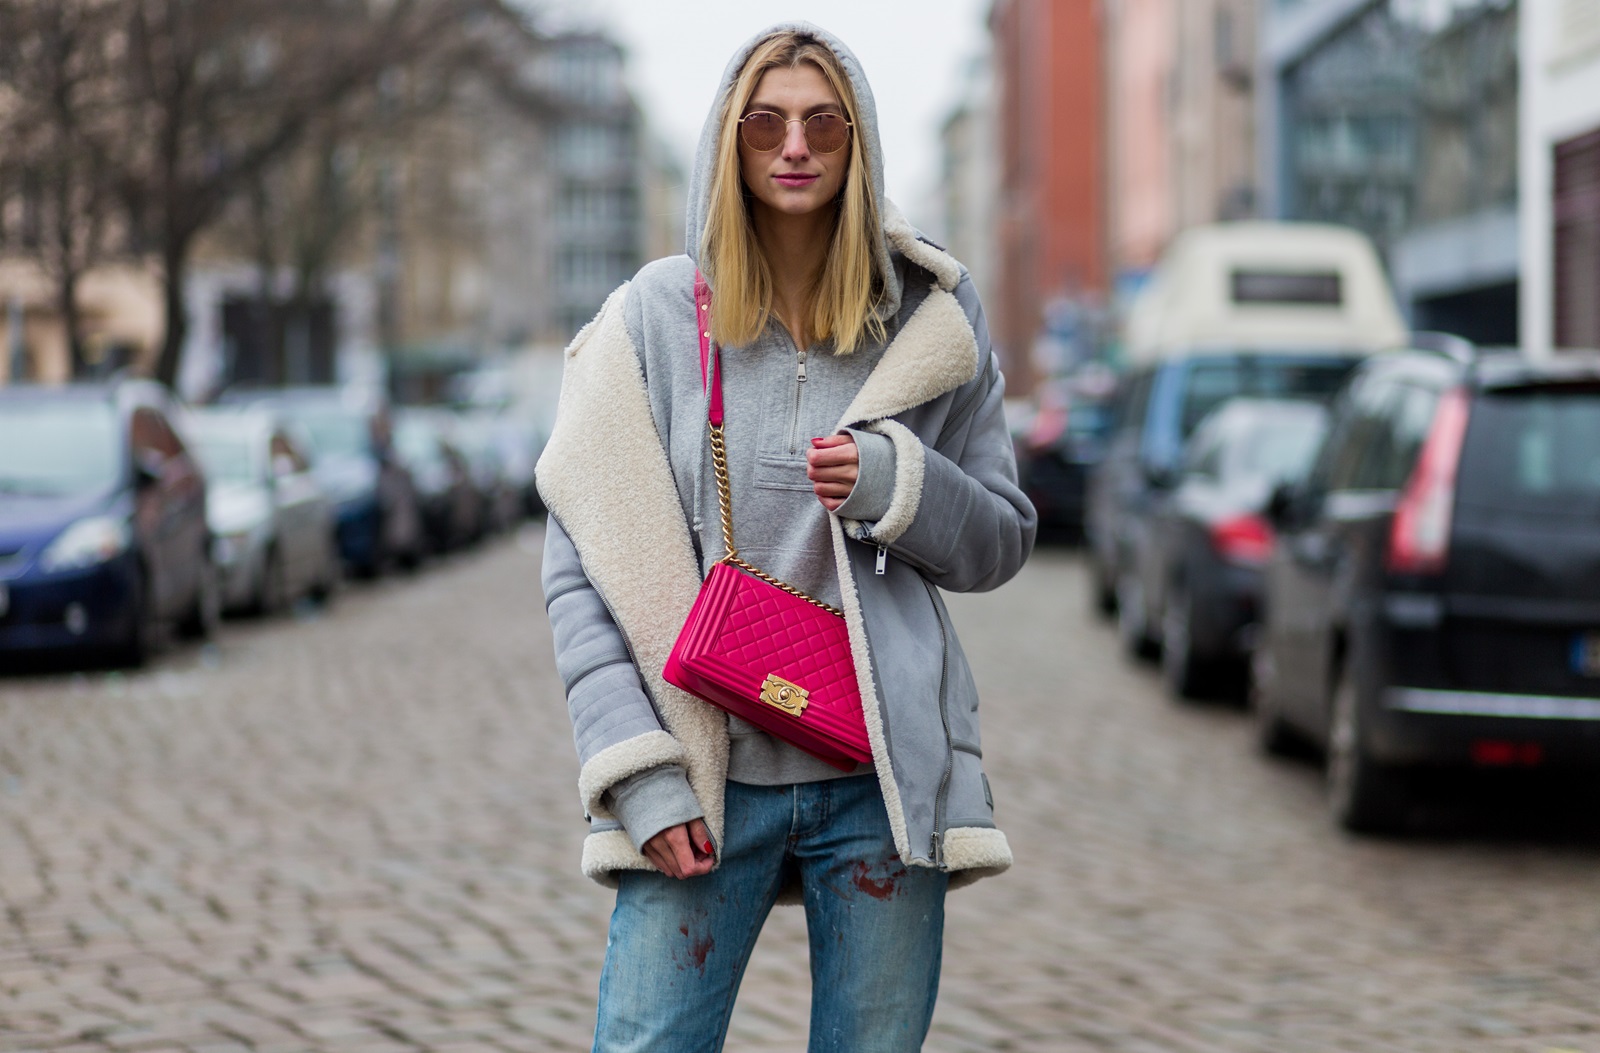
782	473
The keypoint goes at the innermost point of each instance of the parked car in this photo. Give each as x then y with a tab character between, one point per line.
103	535
273	525
1267	310
1200	571
1060	448
501	501
352	457
1434	599
445	490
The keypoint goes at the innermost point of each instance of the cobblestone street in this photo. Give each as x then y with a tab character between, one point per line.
360	833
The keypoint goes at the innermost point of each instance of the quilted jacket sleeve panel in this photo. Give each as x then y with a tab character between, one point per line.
973	528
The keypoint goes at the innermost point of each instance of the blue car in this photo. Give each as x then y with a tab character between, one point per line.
103	536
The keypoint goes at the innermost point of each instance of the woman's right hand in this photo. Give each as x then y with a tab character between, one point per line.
682	851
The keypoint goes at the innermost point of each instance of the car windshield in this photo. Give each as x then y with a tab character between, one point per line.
58	448
227	459
1213	382
333	431
416	442
1278	449
1533	451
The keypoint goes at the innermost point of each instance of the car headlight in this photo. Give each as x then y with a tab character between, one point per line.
87	543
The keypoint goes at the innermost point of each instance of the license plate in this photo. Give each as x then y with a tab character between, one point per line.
1586	654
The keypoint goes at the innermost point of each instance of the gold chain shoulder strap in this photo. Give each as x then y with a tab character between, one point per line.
719	462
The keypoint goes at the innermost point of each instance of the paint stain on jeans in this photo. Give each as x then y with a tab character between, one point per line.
699	946
880	881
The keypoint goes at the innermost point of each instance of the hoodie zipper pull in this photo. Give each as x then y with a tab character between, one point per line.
883	560
800	375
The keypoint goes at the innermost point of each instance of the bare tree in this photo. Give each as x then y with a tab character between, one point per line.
55	67
218	91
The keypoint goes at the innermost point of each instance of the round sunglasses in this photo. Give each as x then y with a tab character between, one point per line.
826	133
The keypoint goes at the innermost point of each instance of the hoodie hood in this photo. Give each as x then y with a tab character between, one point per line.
866	120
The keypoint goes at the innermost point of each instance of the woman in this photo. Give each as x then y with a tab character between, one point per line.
870	467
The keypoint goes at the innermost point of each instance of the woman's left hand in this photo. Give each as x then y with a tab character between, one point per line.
833	464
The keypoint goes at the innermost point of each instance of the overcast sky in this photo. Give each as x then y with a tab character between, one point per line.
915	53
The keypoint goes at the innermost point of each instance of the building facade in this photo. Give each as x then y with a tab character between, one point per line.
1560	165
1180	123
1398	118
1051	200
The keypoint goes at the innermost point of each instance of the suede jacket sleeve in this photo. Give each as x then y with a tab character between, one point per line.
605	697
972	527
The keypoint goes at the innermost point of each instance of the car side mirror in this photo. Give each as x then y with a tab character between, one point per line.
147	469
1281	505
1161	476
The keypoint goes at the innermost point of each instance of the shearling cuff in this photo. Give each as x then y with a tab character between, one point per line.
874	489
652	801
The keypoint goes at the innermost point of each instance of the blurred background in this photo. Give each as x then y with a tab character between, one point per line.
219	192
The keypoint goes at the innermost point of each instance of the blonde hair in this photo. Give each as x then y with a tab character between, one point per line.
846	294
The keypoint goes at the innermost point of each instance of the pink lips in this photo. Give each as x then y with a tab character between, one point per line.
796	179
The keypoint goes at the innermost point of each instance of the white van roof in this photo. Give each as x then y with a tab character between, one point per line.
1265	286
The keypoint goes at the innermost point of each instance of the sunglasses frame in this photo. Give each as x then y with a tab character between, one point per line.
805	125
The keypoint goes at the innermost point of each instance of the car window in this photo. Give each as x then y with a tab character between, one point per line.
286	460
1204	454
1407	415
1213	382
1278	449
51	448
1533	451
151	437
1133	402
227	458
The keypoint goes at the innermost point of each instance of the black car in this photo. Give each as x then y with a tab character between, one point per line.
1199	570
103	534
1434	600
1056	455
449	500
379	520
1157	408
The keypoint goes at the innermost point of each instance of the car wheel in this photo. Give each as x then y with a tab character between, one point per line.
327	582
272	595
1133	626
1274	735
203	618
1363	796
1102	591
1186	675
135	648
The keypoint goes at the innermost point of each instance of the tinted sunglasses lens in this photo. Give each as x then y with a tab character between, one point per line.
827	133
762	131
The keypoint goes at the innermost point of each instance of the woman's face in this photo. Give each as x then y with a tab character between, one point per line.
793	179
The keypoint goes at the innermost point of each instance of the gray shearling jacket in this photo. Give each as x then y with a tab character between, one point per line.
623	562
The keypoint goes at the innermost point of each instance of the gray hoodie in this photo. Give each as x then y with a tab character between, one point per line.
634	527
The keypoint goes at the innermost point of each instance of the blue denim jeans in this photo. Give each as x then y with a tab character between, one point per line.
678	949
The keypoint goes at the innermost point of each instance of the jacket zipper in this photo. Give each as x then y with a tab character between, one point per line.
940	800
799	388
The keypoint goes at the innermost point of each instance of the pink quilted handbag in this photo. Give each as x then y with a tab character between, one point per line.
758	648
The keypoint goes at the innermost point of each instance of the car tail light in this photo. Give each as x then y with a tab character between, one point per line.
1245	540
1419	538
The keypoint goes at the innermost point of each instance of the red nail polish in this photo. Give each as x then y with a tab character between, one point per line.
816	442
706	848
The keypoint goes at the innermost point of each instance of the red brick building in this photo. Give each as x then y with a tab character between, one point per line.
1051	232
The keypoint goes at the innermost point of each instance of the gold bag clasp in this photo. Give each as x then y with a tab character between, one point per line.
781	694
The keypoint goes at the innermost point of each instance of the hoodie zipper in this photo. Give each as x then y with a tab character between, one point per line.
799	389
941	799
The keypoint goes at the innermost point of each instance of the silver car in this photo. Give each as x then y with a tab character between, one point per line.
273	525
